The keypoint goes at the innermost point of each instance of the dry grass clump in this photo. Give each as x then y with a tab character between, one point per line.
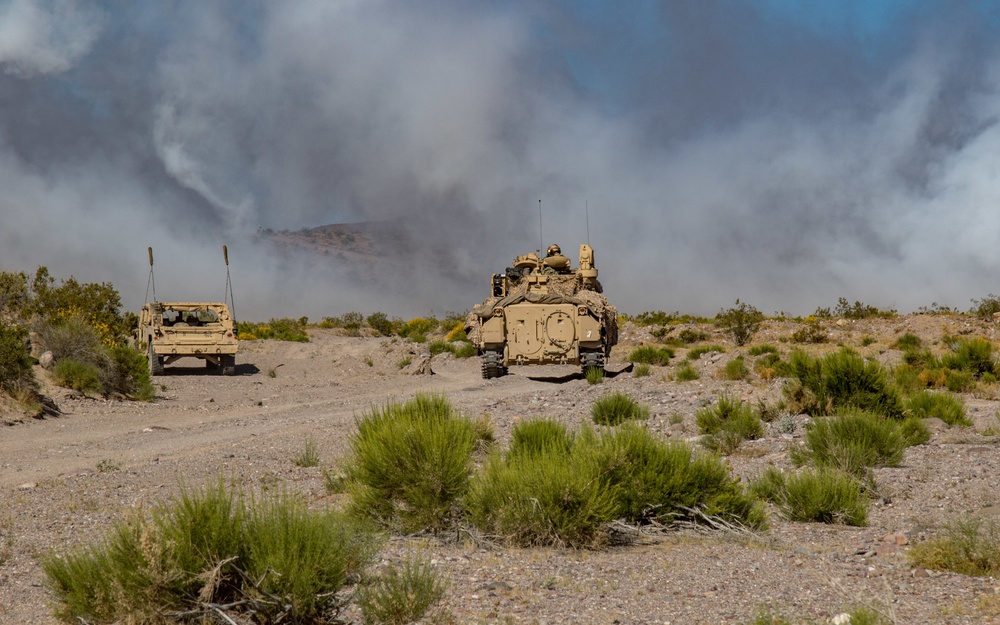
823	495
616	408
969	546
727	423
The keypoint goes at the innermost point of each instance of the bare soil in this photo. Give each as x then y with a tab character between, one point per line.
65	480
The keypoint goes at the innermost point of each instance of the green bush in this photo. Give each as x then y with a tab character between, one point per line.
287	329
948	408
760	350
16	373
546	498
540	437
688	336
821	495
72	338
98	305
594	375
273	557
417	329
125	372
79	376
735	369
15	295
727	423
985	308
974	356
741	321
640	371
465	349
401	595
380	323
860	311
649	355
660	481
686	373
616	408
908	341
853	442
411	463
968	546
841	379
697	352
565	490
810	333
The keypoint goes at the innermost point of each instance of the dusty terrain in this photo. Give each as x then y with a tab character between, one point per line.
65	479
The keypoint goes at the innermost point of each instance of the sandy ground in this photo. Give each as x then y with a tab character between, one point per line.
64	480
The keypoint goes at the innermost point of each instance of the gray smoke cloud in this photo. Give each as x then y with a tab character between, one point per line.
714	149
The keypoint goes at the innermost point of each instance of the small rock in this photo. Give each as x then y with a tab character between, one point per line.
46	360
28	486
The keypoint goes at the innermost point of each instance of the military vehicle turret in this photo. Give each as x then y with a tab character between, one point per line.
544	311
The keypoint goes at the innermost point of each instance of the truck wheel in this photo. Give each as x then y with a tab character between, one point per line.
155	362
591	360
491	365
228	365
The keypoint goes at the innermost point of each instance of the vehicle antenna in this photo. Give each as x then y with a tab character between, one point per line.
229	283
150	281
541	239
586	204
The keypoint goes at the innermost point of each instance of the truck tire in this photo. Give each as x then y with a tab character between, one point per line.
155	362
492	367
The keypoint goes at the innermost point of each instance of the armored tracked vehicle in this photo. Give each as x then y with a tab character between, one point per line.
169	331
544	311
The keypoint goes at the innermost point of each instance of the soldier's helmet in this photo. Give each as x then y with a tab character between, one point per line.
553	250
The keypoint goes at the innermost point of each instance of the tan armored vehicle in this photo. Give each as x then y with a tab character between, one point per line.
543	311
169	331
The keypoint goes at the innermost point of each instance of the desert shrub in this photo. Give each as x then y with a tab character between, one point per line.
15	295
914	431
456	333
352	320
401	594
417	329
651	355
276	329
616	408
853	442
439	347
660	318
547	498
72	338
735	369
697	352
15	361
838	380
309	456
760	350
688	336
686	373
641	370
380	323
411	463
810	333
98	305
857	310
948	408
727	423
79	376
661	481
821	495
125	372
540	437
741	321
908	341
968	546
271	557
986	307
974	356
594	375
867	340
465	349
568	495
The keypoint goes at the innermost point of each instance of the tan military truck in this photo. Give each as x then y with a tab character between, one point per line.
543	311
169	331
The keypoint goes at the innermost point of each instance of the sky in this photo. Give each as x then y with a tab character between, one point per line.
781	152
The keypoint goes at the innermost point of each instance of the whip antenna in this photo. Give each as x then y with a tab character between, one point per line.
150	281
541	239
229	283
586	204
